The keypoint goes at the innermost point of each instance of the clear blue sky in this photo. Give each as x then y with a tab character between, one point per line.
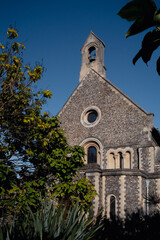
55	30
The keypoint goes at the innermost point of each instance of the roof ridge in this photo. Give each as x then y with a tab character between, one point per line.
125	95
92	33
112	85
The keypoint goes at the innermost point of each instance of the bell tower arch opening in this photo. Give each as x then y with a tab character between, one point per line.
92	54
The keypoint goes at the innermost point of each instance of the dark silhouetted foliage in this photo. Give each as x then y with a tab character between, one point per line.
144	14
134	227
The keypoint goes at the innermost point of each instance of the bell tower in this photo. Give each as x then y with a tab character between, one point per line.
92	54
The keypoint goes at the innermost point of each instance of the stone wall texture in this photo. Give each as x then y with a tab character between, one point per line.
122	124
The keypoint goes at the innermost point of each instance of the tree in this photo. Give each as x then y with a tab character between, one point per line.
48	163
145	15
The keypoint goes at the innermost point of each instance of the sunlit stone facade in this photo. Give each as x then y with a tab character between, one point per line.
121	144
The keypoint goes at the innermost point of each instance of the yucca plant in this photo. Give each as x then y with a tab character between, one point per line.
53	221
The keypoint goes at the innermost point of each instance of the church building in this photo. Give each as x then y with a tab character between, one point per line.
121	144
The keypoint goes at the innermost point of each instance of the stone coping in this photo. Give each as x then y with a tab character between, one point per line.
94	167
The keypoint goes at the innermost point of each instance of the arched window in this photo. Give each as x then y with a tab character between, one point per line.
127	160
92	152
92	54
92	155
111	161
120	160
112	207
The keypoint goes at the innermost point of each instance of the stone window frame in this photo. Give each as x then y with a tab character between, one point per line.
123	151
92	144
88	142
85	113
109	204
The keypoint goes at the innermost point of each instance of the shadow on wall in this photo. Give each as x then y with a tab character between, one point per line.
134	227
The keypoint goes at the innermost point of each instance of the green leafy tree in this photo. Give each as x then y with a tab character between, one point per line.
145	15
34	140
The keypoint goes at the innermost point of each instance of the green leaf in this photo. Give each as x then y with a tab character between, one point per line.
140	25
138	55
156	18
47	94
12	33
143	12
15	47
136	9
1	46
34	138
158	65
150	43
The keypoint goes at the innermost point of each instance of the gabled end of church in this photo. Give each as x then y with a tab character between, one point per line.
122	147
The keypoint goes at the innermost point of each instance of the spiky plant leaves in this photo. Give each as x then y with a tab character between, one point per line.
4	233
52	221
150	43
1	234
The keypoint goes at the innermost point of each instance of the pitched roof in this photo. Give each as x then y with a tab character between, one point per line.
113	86
91	33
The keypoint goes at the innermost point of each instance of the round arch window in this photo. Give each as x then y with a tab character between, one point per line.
112	207
93	151
92	154
90	116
